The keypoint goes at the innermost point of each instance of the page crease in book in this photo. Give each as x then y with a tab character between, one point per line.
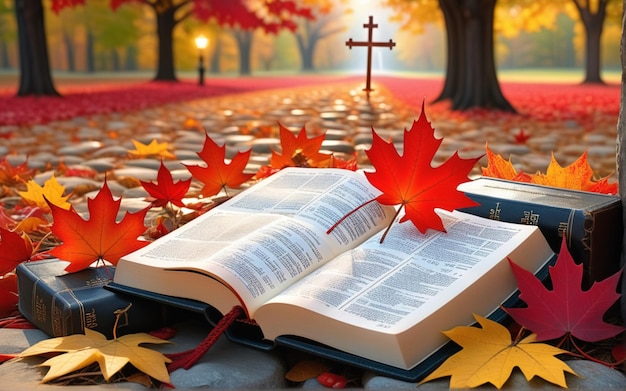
343	293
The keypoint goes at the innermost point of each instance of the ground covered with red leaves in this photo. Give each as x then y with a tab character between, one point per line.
589	106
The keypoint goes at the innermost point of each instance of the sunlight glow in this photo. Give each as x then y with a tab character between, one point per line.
201	42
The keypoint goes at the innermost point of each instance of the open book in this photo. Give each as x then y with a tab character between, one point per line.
267	249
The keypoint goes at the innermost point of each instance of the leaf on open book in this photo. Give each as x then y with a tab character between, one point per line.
99	238
410	181
165	190
81	350
489	356
566	308
219	174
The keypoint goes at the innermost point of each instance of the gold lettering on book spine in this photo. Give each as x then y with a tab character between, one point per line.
562	229
494	213
530	218
40	309
91	321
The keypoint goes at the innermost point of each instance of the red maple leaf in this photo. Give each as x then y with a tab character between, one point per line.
14	249
521	137
218	174
409	180
8	294
99	238
566	309
299	150
165	190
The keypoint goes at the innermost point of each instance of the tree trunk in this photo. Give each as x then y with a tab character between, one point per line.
35	75
471	78
306	44
69	51
454	65
90	63
621	153
130	63
216	56
4	55
165	31
244	42
115	61
594	24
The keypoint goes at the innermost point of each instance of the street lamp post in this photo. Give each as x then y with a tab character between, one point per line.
201	44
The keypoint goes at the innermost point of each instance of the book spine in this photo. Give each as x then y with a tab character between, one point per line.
69	311
32	303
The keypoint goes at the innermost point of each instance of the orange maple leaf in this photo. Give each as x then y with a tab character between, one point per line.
14	175
576	176
497	167
299	150
409	180
218	174
99	238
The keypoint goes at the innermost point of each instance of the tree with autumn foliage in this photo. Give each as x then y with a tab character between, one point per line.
593	14
327	21
269	15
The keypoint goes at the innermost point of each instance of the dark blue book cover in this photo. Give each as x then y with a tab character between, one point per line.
61	303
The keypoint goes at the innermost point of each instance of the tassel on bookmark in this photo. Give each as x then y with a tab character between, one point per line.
188	358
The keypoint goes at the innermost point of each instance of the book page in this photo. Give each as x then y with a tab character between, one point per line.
392	286
269	236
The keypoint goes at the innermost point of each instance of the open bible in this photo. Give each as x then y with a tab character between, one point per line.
267	249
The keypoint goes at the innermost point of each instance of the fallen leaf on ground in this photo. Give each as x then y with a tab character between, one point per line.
52	191
99	238
155	149
81	350
166	190
219	174
306	369
566	308
489	356
299	150
15	248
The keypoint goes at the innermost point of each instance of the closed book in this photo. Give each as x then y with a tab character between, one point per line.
61	303
590	222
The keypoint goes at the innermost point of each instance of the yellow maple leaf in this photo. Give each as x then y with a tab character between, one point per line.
81	350
489	356
154	149
576	176
52	190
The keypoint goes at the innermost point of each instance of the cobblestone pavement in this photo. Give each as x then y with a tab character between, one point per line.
249	120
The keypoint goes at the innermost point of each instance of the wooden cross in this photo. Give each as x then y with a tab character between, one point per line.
370	44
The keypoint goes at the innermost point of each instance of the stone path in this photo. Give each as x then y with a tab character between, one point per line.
244	121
